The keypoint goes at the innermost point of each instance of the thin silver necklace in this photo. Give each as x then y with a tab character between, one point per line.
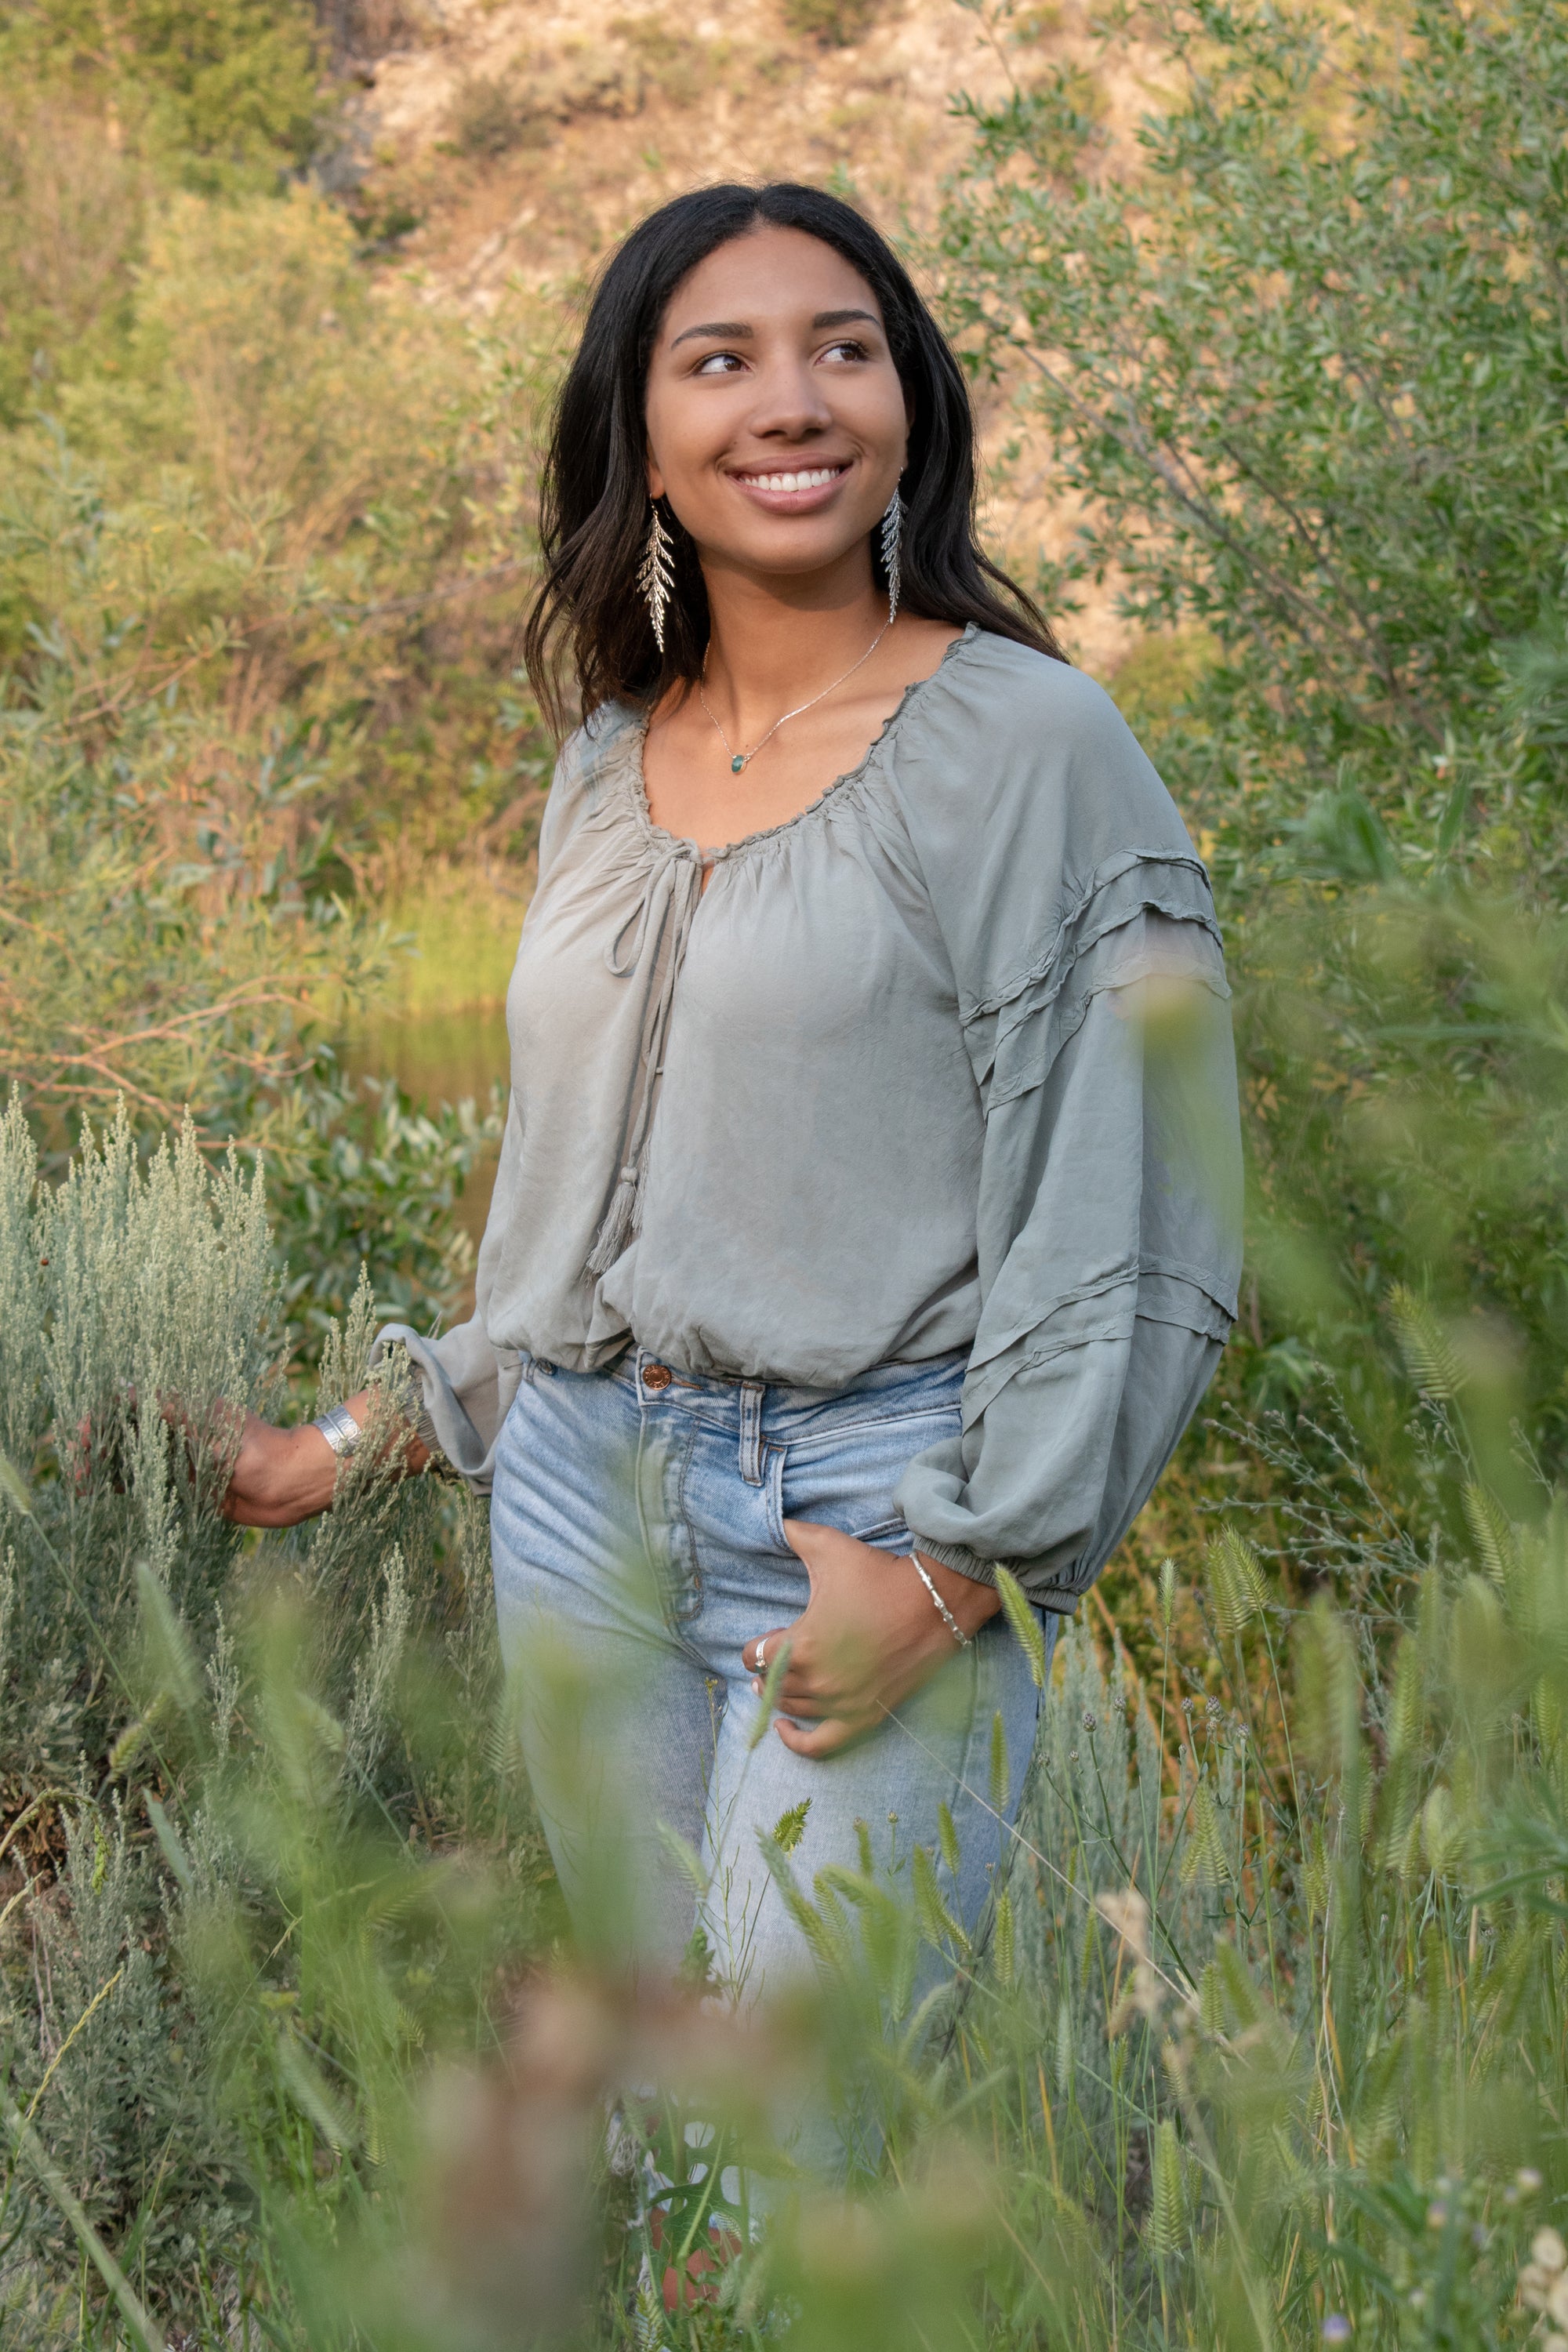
739	760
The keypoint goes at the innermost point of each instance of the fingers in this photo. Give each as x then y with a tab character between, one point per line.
803	1688
766	1644
825	1738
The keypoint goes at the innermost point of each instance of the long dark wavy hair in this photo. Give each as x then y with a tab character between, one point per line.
587	619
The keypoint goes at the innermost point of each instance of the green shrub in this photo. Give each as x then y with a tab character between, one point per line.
1262	2040
221	94
835	23
490	116
1303	370
671	64
72	208
221	561
141	1307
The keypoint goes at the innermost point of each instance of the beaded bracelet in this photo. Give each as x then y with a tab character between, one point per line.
943	1612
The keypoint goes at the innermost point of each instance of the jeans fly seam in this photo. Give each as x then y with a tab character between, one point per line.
681	1530
772	1478
751	1446
675	1616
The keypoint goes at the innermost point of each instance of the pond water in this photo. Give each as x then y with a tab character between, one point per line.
440	1057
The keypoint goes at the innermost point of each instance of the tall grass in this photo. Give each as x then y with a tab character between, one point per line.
1263	2037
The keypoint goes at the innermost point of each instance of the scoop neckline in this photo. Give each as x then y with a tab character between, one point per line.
726	850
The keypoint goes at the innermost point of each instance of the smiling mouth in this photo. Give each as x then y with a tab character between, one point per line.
813	478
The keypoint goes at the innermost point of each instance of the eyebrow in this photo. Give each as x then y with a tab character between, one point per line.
728	330
732	330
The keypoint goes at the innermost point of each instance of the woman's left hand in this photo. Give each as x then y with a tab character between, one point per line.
867	1638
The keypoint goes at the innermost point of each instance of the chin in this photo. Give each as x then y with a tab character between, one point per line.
794	558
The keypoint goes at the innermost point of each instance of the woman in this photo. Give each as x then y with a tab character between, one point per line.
859	1225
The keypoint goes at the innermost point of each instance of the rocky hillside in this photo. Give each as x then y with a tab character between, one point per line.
499	147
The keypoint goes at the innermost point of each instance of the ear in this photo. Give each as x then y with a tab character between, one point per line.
655	478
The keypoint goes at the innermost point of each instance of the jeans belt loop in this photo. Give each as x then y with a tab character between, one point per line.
752	1394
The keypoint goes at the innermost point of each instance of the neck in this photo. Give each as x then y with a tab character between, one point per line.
774	641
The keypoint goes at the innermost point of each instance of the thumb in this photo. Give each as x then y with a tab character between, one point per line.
805	1540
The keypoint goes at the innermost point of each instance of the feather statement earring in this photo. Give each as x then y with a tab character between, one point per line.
656	577
893	529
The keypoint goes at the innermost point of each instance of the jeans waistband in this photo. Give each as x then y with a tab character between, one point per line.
762	1413
651	1376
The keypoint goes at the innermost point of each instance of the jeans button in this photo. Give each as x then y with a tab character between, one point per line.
656	1377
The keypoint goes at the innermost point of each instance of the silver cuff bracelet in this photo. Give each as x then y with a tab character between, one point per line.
340	1429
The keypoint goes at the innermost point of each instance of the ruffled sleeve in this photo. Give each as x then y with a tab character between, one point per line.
467	1382
1095	1010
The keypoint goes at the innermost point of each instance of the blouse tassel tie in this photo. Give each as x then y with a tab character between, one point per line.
661	928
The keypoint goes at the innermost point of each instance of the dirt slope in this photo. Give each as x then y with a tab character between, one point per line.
524	138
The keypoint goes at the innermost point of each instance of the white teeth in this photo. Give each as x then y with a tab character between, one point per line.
794	481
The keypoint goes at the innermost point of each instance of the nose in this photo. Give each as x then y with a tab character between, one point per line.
789	402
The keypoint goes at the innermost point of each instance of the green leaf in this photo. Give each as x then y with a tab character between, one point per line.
170	1655
790	1826
1431	1355
1238	1585
13	1487
175	1853
310	2092
778	1666
1024	1622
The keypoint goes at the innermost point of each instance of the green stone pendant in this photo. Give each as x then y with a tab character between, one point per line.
736	764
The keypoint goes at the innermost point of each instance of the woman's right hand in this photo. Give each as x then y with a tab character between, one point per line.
284	1476
281	1476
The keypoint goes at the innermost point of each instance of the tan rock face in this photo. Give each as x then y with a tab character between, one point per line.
526	138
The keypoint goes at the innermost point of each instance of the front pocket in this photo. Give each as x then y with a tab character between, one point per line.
848	1478
887	1535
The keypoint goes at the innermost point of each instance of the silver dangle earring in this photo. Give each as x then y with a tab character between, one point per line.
656	578
892	527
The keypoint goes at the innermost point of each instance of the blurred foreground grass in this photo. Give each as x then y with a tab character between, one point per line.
1263	2042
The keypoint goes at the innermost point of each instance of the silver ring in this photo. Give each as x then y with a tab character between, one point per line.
761	1665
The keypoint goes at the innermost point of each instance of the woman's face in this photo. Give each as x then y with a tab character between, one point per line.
776	424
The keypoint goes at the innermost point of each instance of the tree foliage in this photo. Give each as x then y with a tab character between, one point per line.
1306	368
220	95
259	542
1307	365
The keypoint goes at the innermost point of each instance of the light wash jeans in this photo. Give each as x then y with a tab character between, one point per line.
637	1535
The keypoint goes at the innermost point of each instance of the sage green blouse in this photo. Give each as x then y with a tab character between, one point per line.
942	1063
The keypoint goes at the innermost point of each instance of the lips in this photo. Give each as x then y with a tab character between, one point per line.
793	489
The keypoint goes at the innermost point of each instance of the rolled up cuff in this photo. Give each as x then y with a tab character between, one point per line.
1040	1587
958	1557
